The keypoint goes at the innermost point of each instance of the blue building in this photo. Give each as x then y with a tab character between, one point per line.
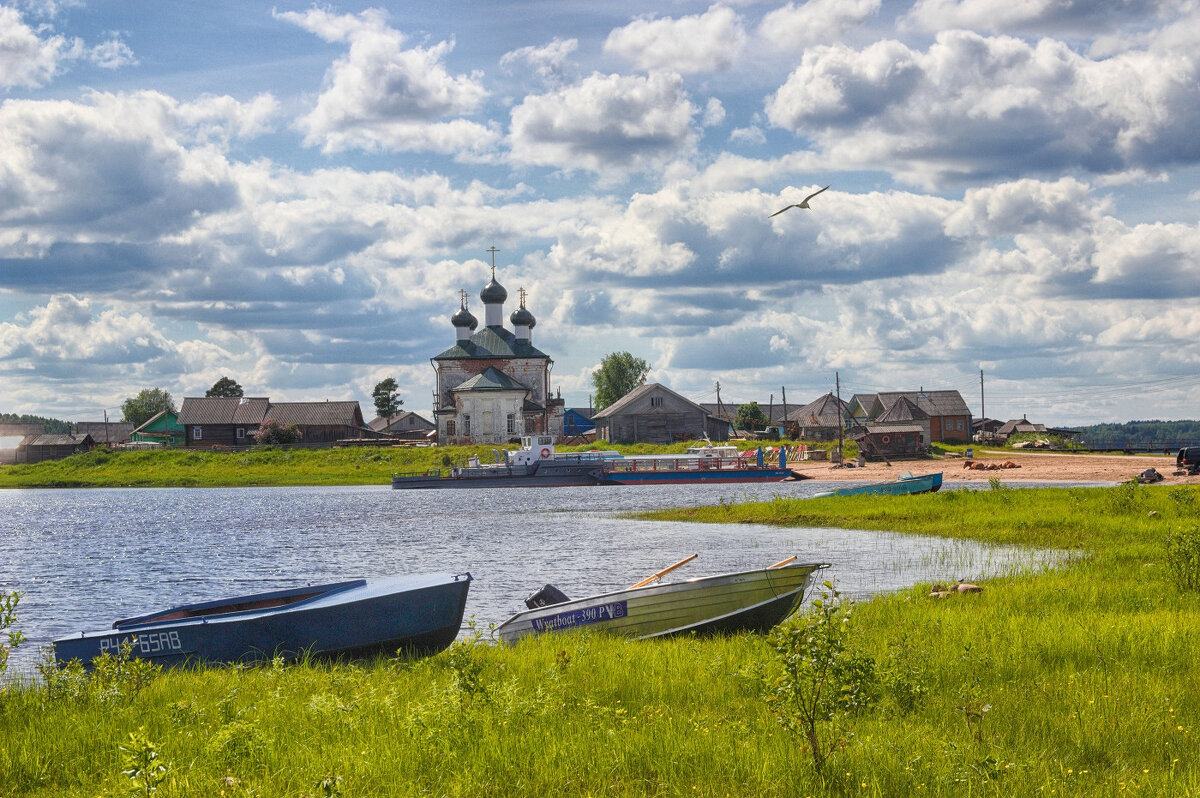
578	421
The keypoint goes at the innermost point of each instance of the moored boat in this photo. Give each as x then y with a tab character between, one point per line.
745	601
420	614
905	483
536	464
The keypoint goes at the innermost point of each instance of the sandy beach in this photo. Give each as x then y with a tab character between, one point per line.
1033	467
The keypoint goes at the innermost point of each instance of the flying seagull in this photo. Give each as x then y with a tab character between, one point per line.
802	204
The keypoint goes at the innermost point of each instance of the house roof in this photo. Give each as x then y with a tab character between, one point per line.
252	411
493	379
105	431
887	429
935	403
583	412
316	414
57	440
638	392
900	411
380	424
223	410
820	412
492	342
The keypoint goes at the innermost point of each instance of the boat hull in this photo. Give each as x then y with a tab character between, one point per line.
419	614
745	601
544	476
696	477
927	483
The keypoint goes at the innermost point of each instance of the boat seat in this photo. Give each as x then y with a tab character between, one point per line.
545	597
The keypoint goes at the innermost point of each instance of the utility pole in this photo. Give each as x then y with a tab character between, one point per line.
837	380
783	392
720	409
982	412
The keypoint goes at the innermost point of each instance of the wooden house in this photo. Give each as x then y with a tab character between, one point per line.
233	421
653	413
949	416
163	429
36	448
406	426
819	420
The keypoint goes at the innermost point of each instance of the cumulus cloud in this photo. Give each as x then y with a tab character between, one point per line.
794	28
605	122
698	43
114	165
27	59
66	335
547	61
381	95
1067	16
974	107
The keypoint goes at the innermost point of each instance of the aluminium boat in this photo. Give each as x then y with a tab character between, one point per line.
744	601
905	483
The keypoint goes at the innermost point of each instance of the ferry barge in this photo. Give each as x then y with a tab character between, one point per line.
536	464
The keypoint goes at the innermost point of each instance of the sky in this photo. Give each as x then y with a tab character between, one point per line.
293	196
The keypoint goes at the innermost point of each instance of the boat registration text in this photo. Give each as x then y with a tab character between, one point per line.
581	617
144	643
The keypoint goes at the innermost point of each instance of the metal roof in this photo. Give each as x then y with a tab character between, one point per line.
935	403
638	392
317	414
820	412
491	380
492	342
223	410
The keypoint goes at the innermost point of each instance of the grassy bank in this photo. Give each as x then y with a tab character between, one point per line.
1076	682
257	466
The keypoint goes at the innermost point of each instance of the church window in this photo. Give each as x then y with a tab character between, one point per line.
466	425
512	423
450	427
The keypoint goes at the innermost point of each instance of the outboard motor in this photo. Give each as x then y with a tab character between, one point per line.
545	597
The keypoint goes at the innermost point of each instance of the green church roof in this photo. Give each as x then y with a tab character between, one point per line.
491	342
491	380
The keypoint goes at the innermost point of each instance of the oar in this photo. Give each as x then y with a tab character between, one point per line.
781	563
663	572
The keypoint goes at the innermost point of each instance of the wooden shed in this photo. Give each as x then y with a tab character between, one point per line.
890	441
406	426
819	420
654	413
36	448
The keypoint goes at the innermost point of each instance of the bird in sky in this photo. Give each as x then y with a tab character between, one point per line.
802	204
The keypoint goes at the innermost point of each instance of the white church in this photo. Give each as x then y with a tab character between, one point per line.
493	385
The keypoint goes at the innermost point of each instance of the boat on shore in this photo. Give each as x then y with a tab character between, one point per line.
745	601
536	464
420	614
905	483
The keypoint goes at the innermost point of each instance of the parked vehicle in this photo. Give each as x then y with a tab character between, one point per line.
1189	459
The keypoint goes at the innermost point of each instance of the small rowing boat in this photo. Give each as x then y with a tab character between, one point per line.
905	483
744	601
417	613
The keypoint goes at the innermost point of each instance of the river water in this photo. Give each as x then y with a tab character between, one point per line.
83	558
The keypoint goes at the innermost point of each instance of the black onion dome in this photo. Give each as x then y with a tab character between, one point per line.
463	318
522	316
493	293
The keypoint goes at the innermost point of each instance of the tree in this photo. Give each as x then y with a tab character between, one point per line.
148	403
750	417
618	374
387	399
225	387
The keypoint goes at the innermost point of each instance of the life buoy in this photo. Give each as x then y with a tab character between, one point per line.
885	439
545	452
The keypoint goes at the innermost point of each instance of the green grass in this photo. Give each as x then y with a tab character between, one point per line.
258	466
1088	675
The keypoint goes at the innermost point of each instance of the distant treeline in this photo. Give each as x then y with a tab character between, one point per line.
52	426
1140	433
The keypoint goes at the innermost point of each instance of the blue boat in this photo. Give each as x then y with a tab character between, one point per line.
421	614
905	483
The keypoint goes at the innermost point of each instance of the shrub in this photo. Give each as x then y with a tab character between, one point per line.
271	431
1183	558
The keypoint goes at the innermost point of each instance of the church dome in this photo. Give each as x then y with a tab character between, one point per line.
521	316
463	318
493	293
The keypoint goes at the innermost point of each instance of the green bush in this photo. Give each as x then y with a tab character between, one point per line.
1183	558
